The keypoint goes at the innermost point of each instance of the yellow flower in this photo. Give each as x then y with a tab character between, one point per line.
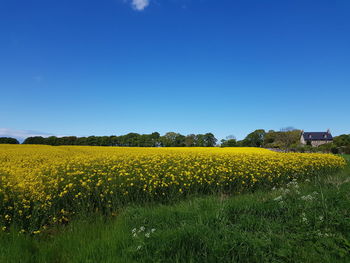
46	182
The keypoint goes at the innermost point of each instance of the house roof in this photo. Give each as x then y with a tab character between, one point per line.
317	136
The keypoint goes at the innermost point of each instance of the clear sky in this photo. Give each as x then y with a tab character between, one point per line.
73	67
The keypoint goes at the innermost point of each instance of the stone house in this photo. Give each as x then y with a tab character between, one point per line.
316	138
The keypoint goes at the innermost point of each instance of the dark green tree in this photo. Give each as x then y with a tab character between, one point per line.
35	140
173	139
210	140
229	143
190	140
255	139
8	140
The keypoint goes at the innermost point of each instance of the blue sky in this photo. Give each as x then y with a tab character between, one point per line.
191	66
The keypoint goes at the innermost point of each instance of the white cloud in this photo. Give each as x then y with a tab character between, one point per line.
140	4
21	134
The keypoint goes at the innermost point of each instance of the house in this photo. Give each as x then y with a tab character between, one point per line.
316	138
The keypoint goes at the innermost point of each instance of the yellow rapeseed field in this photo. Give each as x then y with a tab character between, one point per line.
43	185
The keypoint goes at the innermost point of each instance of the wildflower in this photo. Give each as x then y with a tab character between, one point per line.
304	218
42	178
307	198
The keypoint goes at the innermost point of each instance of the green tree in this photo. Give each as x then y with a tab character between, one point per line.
8	140
210	140
52	140
173	139
35	140
342	140
229	143
190	140
255	139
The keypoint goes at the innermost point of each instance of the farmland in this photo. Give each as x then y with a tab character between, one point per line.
43	186
299	220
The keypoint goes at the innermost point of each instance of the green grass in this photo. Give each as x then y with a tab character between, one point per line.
247	228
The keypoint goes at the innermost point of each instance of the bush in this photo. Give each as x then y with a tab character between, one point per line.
335	150
346	149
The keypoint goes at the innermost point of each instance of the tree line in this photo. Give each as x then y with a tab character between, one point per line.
282	139
170	139
285	139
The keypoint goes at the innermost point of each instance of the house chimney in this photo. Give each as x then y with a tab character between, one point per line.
328	131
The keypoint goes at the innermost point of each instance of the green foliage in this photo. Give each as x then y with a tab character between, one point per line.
342	140
254	139
170	139
282	139
285	139
209	140
8	140
328	148
229	143
35	140
346	149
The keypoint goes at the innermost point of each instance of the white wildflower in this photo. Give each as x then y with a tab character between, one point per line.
303	218
307	198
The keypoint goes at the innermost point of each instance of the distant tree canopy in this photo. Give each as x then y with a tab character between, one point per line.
8	140
254	139
286	138
283	139
342	140
170	139
230	141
